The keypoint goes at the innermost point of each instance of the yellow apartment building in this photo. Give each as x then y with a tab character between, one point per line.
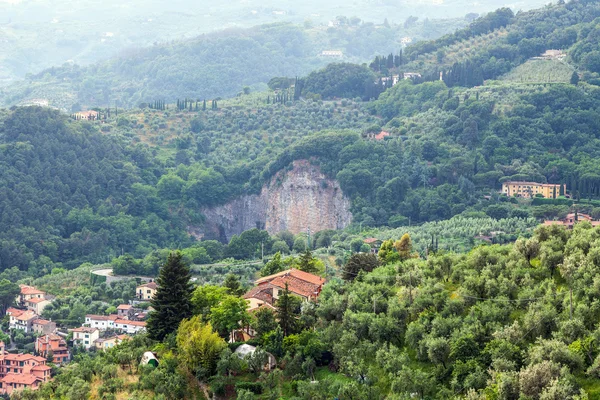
530	189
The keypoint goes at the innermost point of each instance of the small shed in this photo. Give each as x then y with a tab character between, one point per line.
149	359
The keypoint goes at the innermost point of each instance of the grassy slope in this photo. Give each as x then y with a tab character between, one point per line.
540	71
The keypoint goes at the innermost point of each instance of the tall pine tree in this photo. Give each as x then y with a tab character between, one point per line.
172	301
287	305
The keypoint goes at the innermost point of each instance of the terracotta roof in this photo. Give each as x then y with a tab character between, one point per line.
41	367
41	321
26	316
24	357
149	285
305	276
124	307
100	317
530	183
372	240
84	329
15	312
30	290
260	293
381	135
123	337
25	379
48	338
102	340
36	300
297	286
128	322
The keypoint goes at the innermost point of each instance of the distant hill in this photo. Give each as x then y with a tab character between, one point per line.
215	65
35	35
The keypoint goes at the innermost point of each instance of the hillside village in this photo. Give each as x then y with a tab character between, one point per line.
55	344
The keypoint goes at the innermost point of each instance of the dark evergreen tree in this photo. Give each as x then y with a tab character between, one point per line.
232	283
307	262
287	305
574	78
172	301
359	262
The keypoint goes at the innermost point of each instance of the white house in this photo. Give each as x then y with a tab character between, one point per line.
85	336
102	322
130	327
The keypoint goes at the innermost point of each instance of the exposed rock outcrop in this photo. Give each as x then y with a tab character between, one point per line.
296	200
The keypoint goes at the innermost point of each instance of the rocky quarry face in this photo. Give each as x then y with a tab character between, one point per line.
297	200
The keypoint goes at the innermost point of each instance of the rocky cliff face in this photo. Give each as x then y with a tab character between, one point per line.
297	200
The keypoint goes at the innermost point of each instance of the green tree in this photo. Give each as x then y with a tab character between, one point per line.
288	309
308	263
232	283
274	265
8	294
207	296
230	314
574	78
264	321
199	346
404	247
172	301
359	262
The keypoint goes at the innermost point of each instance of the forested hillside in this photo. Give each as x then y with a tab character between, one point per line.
514	321
215	65
446	152
70	194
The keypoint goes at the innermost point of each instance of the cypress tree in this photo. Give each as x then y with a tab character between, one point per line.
204	105
285	311
172	301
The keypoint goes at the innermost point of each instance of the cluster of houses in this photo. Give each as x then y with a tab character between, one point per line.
100	332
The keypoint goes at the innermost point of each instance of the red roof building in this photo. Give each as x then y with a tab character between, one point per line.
268	289
55	345
21	371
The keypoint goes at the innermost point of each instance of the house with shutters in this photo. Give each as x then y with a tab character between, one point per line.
21	371
101	322
146	291
54	345
43	326
85	336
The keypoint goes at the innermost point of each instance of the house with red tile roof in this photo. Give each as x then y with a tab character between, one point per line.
21	371
28	293
268	289
125	311
37	304
130	327
22	320
52	344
